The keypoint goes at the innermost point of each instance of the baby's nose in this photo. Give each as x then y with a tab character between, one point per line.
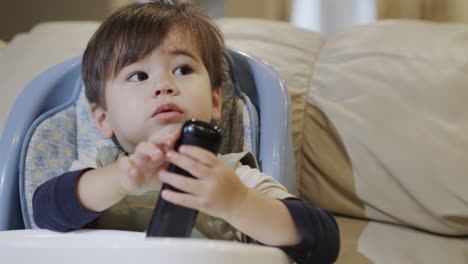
166	91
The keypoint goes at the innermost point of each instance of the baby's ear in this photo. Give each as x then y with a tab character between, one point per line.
217	103
101	121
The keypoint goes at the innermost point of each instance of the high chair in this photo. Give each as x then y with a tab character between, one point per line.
50	124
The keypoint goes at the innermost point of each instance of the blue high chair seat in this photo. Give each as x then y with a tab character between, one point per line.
50	124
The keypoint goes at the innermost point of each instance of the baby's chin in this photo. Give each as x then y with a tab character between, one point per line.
171	128
166	129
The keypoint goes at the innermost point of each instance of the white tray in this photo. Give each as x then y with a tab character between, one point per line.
105	246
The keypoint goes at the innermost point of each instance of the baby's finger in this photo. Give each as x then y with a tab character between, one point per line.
147	151
183	183
199	154
126	165
197	169
182	199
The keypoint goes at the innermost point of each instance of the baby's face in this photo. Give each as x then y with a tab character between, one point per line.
159	93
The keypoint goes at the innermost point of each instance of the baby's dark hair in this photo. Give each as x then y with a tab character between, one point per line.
135	30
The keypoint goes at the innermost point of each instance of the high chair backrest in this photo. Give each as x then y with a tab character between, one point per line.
48	127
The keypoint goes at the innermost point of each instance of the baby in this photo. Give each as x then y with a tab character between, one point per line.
148	69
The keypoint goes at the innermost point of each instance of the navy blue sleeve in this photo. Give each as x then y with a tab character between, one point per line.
56	205
320	241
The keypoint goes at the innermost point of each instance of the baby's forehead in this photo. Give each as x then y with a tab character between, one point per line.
180	40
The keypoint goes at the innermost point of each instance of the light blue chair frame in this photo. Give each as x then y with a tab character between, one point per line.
59	87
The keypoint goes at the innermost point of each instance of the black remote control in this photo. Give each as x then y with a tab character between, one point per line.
171	220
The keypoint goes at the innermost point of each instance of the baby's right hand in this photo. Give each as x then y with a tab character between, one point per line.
142	168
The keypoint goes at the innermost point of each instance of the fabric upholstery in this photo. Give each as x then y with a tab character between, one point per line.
366	242
291	51
30	53
378	128
51	151
396	93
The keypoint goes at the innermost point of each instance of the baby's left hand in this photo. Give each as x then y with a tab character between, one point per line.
216	189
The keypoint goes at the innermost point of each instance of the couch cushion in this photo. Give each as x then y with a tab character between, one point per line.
366	242
290	50
396	91
29	54
2	45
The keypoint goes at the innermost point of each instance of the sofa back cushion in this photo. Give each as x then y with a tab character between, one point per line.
396	92
290	50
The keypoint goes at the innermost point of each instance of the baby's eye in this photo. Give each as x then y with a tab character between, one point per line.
183	70
138	77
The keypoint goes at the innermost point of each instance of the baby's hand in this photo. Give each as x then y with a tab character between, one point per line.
141	168
215	190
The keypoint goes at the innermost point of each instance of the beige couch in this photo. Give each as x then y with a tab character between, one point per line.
380	124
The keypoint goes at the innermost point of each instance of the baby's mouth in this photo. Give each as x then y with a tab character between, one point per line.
167	111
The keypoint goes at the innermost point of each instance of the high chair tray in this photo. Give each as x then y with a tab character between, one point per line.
106	246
